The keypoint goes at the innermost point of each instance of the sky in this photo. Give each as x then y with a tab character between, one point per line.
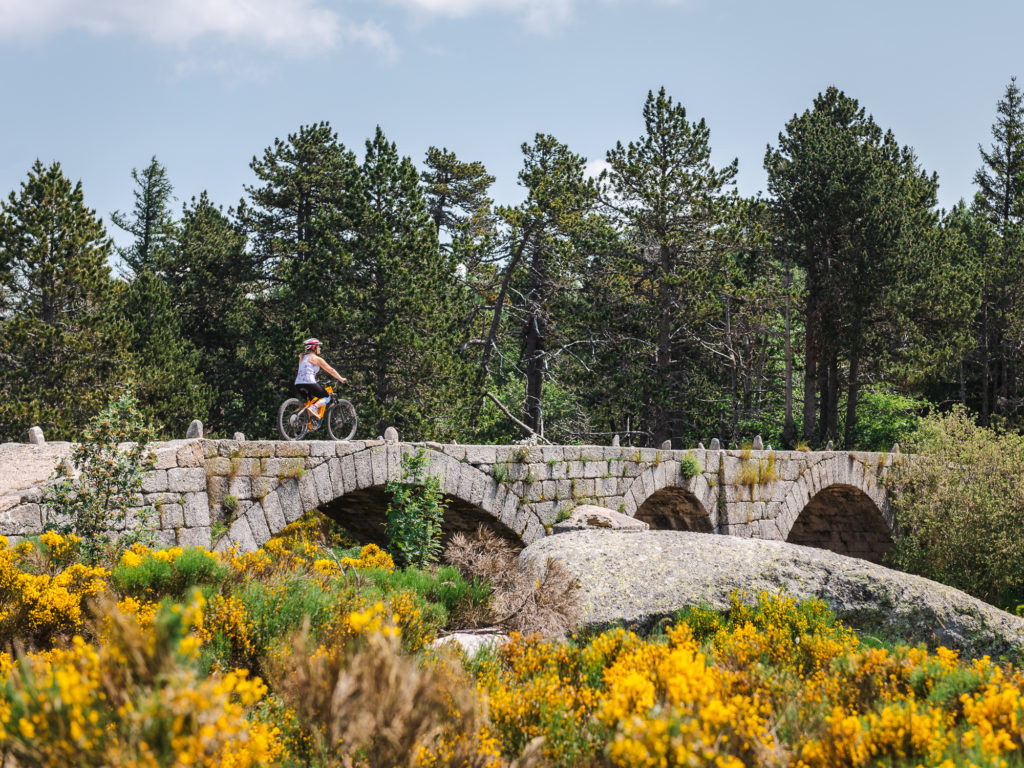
204	85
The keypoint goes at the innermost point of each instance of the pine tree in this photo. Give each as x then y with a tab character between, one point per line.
169	385
672	205
1000	200
457	196
401	344
64	347
544	247
853	207
211	277
301	218
150	222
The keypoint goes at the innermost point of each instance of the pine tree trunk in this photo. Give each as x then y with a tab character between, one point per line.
810	380
664	353
535	333
789	427
852	390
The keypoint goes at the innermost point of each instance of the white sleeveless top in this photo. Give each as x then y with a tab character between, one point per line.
307	371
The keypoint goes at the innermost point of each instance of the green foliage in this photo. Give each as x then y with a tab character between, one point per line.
155	577
168	381
855	212
210	276
415	513
150	222
689	467
61	345
959	503
101	499
885	417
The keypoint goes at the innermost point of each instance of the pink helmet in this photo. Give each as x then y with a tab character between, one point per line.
311	343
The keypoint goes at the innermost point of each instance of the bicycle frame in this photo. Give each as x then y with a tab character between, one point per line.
330	393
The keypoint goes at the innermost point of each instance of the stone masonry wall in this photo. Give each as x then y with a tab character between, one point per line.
252	489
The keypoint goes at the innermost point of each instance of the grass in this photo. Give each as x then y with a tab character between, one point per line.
758	472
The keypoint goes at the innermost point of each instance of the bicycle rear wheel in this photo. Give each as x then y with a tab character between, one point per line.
292	419
342	420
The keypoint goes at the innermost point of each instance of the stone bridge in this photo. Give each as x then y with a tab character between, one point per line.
250	490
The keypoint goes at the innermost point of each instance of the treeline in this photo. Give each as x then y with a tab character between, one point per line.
653	302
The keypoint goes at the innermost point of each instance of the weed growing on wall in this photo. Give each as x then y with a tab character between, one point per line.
415	513
98	502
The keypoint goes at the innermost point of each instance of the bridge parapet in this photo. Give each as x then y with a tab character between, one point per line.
255	488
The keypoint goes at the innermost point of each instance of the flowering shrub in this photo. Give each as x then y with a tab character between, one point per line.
37	607
139	666
773	683
371	556
134	700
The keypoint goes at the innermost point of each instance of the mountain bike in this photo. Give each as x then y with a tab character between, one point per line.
295	421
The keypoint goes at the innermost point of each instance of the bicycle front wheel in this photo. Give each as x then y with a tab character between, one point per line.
292	420
342	421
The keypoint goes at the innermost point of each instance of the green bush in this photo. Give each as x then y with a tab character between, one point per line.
414	514
885	417
97	502
155	577
959	503
446	587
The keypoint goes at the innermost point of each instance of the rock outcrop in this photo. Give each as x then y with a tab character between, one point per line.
639	577
588	517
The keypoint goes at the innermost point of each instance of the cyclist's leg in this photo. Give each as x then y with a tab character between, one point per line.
311	391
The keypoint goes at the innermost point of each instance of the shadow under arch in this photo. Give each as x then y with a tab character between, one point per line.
363	512
674	509
843	519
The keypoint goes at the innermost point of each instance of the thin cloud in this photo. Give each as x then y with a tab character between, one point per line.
297	27
539	15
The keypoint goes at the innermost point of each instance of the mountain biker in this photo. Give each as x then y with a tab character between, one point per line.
310	364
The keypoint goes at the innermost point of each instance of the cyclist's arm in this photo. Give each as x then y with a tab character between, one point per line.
317	360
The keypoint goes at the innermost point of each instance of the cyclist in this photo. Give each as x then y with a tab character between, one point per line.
310	364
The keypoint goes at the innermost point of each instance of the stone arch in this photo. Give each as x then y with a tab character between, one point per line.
838	504
663	498
359	476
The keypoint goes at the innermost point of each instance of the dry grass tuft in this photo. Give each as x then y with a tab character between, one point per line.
375	707
545	603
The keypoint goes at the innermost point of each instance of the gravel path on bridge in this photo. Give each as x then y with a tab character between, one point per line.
638	578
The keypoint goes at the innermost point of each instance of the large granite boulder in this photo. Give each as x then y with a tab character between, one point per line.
640	577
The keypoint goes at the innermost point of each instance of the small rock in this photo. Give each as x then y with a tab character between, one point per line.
700	446
391	435
758	444
469	642
589	517
195	429
768	447
239	437
667	445
895	448
830	446
615	441
716	445
35	436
